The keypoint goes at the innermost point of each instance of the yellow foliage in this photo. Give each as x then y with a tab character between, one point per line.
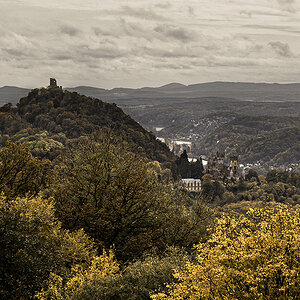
256	256
99	268
33	245
21	173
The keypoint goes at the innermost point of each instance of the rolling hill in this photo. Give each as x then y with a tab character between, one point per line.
11	94
274	141
177	92
61	116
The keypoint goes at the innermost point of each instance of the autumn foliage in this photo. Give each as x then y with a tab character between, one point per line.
256	256
101	222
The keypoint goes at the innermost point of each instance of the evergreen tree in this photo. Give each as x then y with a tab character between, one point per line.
197	169
184	166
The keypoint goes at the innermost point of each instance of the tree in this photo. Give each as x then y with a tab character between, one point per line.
211	190
246	257
197	169
139	279
252	174
120	200
20	173
33	245
100	268
183	164
111	193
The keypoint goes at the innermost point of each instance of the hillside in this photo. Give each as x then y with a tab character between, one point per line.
60	116
274	141
249	128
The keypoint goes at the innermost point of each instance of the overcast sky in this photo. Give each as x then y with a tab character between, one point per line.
139	43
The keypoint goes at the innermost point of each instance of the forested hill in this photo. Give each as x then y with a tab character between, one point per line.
57	115
273	141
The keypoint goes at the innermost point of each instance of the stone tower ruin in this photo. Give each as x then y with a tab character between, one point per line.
53	83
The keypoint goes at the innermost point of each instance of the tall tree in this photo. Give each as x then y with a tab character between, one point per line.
197	169
33	244
21	173
111	193
184	166
120	200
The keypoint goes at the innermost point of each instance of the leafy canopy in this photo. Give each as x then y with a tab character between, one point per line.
33	245
247	257
20	172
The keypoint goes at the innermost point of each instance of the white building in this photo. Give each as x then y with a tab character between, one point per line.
191	184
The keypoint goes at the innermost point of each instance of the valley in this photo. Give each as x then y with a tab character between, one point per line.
250	120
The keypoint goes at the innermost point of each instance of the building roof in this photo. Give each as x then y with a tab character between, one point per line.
190	180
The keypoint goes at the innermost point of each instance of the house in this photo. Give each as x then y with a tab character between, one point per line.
191	184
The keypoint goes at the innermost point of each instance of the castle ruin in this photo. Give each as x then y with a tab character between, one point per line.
53	83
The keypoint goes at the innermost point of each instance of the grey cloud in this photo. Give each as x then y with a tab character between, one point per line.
167	53
287	5
282	49
177	33
173	66
191	11
103	32
286	1
247	13
17	53
148	37
220	61
134	29
250	13
69	30
273	27
122	29
18	47
164	5
61	56
105	52
143	13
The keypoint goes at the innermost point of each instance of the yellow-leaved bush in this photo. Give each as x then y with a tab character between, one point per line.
100	267
37	254
252	256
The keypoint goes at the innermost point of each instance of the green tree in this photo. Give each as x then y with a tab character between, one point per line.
139	279
184	166
21	173
33	244
197	169
120	200
111	193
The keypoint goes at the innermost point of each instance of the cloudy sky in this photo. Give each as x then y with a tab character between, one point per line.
138	43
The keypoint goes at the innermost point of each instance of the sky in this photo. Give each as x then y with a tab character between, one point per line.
124	43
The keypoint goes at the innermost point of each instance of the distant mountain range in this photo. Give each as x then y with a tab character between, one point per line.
176	92
12	94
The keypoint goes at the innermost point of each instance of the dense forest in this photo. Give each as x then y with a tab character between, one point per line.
48	119
90	209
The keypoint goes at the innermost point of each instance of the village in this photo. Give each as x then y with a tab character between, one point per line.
218	167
